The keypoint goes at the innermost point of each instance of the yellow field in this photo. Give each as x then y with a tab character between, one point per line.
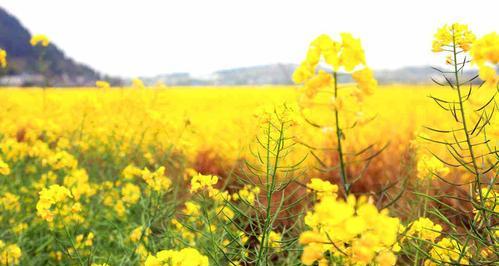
213	127
108	147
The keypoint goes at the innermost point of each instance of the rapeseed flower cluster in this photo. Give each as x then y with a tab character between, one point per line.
48	198
429	166
183	257
248	193
4	168
322	188
424	228
156	180
485	54
448	251
9	254
448	35
346	55
352	231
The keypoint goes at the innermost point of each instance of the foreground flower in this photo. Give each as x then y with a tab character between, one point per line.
450	35
354	231
184	257
39	39
485	54
346	55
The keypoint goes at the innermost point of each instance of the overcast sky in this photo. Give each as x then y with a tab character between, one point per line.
149	37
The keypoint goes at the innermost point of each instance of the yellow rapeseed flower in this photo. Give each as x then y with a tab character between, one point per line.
355	227
9	254
3	58
130	193
485	54
450	35
429	166
322	188
183	257
4	168
39	39
156	180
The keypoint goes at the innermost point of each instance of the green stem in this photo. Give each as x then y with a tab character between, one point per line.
477	183
339	136
270	178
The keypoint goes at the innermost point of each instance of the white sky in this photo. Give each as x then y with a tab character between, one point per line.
149	37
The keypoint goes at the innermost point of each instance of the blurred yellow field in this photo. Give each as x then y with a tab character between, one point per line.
213	127
338	162
218	122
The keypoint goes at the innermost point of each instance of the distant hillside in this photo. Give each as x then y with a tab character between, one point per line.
280	74
22	58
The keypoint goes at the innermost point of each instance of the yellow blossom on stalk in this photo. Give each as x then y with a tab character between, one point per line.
424	228
365	80
20	228
130	193
10	202
355	227
448	34
9	254
4	168
275	239
78	182
49	197
352	53
3	58
61	160
490	199
39	39
322	80
131	171
183	257
136	234
119	208
447	252
226	212
101	84
99	264
347	55
203	182
428	167
485	54
184	231
322	188
156	180
248	193
191	209
303	72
